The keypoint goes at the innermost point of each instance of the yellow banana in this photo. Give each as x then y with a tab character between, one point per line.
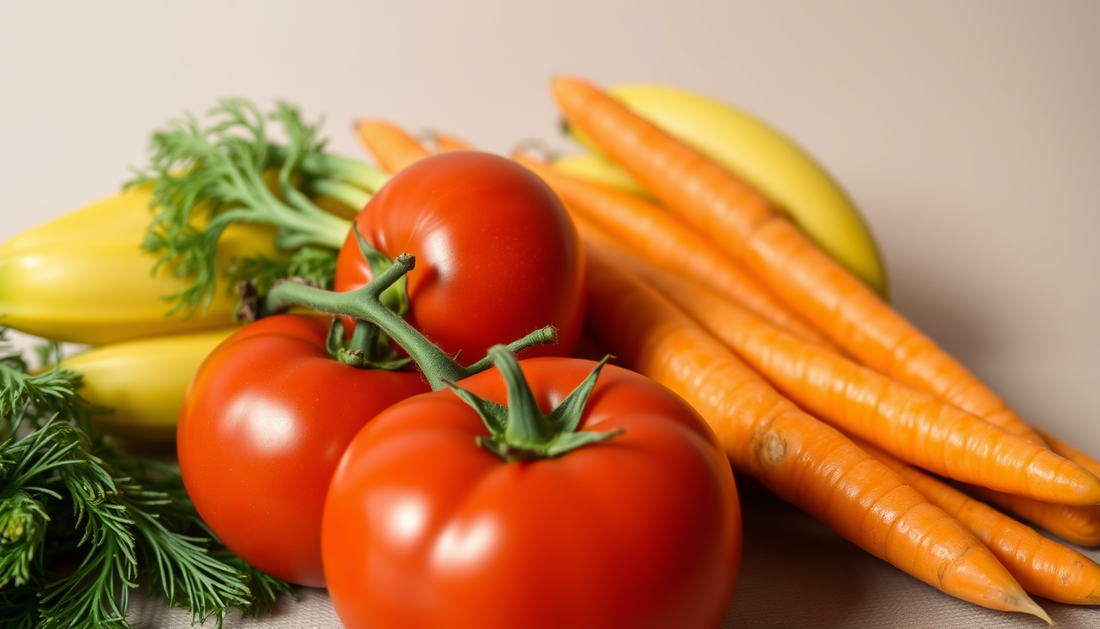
82	277
143	381
769	161
596	168
123	213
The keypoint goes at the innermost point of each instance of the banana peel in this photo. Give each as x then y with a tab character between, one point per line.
83	278
596	168
142	381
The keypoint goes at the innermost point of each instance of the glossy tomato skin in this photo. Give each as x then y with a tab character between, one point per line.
262	428
497	256
423	528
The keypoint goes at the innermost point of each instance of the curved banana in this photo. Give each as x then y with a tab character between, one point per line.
83	278
143	381
124	213
769	161
596	168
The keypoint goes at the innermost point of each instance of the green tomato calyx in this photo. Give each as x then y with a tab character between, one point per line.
521	431
365	303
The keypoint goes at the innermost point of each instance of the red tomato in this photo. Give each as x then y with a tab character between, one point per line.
263	425
496	254
423	528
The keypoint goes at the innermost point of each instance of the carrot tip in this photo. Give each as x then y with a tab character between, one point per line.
1029	606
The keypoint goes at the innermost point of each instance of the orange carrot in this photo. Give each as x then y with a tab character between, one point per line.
1076	524
655	235
390	145
444	142
736	217
909	424
797	457
1042	566
1080	525
1071	453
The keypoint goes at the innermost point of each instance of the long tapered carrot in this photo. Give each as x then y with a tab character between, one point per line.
797	457
1076	524
1080	525
1070	452
735	216
1042	566
390	145
910	424
443	142
659	237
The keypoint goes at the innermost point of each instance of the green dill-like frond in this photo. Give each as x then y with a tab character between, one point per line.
41	396
207	178
316	264
23	522
185	563
180	567
69	498
55	465
48	389
264	587
96	502
94	596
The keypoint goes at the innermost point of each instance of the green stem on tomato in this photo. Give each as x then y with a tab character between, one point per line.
368	348
366	303
521	431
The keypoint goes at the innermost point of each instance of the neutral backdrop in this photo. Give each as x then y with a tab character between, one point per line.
968	132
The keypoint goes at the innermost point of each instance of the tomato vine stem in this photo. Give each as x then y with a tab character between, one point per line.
365	303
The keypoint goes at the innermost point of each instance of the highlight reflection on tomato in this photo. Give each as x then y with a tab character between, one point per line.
263	425
425	528
497	255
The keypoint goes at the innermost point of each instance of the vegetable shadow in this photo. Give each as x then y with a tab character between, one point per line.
795	572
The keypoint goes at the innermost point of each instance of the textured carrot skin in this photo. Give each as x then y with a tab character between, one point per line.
797	457
910	424
1042	566
1071	453
1079	525
1076	524
391	146
736	217
655	235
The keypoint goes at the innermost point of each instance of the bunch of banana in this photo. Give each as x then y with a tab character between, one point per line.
83	278
759	154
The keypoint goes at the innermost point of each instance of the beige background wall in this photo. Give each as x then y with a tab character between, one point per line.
967	131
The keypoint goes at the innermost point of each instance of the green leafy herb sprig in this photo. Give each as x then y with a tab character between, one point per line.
206	178
81	522
314	264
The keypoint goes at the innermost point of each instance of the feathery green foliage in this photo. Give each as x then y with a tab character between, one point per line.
207	178
81	521
315	264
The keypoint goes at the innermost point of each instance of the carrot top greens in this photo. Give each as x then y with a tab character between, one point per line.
206	178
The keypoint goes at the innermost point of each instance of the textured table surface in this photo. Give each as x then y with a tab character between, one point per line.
967	132
795	574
